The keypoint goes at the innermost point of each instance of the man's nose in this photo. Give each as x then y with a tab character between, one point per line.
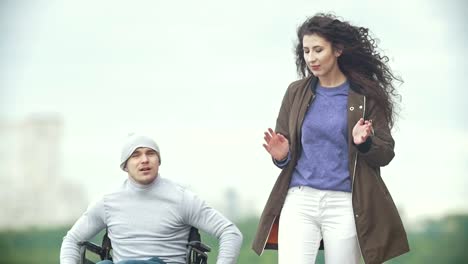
144	158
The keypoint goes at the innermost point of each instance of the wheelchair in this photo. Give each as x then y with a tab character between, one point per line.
196	251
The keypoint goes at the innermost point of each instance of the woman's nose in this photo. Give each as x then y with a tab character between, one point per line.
310	57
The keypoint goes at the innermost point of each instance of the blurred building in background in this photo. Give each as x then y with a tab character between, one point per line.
232	209
236	207
34	191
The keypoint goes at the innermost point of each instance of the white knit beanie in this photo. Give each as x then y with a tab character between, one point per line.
133	142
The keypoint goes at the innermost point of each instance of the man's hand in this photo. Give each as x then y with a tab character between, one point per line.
276	144
362	130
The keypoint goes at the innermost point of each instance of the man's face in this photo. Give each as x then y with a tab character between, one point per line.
143	165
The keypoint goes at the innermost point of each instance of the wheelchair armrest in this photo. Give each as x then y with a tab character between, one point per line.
91	247
200	246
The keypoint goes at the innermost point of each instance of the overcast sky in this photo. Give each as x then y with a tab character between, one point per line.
206	78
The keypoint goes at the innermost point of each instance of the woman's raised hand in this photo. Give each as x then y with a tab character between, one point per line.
276	144
361	131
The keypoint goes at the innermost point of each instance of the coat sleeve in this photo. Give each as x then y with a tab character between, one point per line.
85	228
378	150
282	124
282	121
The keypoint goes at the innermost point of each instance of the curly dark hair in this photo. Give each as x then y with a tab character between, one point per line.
360	60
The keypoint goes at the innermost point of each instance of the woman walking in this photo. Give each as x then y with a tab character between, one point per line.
332	136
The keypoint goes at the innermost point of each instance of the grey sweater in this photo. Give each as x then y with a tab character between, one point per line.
145	221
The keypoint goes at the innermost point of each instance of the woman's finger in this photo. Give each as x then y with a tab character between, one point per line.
281	138
271	132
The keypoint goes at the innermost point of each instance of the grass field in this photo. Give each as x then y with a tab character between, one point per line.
439	241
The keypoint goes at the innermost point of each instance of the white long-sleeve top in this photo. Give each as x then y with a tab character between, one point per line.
145	221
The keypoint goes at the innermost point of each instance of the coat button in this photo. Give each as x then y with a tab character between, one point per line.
351	108
360	107
357	215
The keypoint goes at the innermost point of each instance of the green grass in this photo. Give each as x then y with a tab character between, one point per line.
441	241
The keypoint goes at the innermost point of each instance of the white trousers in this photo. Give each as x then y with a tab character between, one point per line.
308	215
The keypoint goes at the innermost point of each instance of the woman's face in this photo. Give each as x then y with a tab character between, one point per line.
320	56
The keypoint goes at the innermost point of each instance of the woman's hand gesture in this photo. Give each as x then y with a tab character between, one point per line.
362	130
276	144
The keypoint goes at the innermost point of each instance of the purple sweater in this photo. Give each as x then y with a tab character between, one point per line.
323	163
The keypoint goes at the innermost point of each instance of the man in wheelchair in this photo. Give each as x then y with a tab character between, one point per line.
149	218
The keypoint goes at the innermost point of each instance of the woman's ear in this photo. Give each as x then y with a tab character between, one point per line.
338	53
338	50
